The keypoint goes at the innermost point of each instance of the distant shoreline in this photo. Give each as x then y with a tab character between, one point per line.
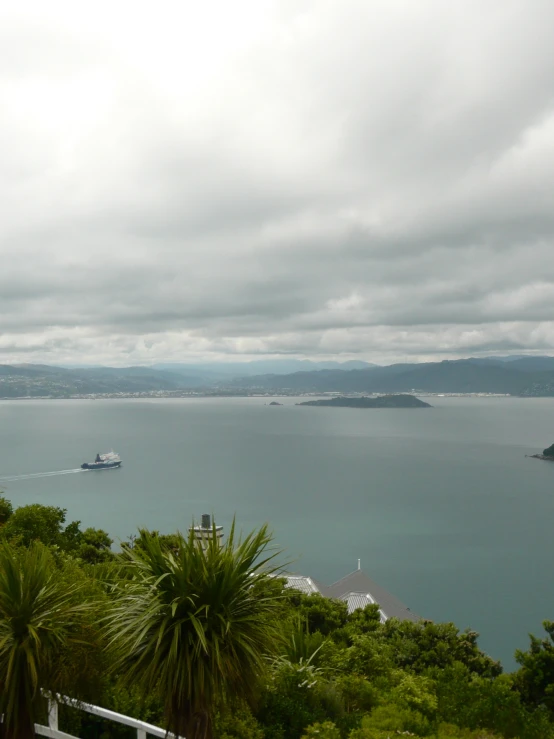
172	395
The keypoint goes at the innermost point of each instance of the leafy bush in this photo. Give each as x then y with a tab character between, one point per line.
320	614
326	730
318	671
6	509
389	719
238	724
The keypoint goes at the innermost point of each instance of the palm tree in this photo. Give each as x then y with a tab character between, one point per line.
195	623
48	641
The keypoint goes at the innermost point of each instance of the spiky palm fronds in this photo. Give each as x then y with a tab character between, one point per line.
44	632
301	646
196	623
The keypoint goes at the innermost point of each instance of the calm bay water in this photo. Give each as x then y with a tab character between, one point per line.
442	506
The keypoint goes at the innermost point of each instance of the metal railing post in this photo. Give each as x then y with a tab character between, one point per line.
52	713
141	734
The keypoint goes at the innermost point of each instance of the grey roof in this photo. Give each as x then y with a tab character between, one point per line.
302	583
361	600
358	590
320	586
358	582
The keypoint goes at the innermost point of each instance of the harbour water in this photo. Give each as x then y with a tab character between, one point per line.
442	506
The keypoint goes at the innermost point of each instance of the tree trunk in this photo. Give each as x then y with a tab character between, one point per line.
199	726
23	728
190	724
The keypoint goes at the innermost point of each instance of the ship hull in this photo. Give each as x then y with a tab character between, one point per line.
100	465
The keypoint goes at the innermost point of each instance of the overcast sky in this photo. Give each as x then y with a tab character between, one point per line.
185	181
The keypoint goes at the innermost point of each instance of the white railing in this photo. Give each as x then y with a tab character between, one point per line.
52	731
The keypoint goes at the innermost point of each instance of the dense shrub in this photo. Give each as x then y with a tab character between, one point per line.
328	674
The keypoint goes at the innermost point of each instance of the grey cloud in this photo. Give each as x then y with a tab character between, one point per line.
356	179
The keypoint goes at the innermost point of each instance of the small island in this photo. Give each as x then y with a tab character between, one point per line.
383	401
548	454
274	402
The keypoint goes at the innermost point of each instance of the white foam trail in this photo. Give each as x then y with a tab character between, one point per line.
34	475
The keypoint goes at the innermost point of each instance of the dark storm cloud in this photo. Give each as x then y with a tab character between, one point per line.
319	179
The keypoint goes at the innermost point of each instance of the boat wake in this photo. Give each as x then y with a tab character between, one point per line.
35	475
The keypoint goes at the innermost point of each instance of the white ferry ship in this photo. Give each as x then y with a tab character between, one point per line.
107	461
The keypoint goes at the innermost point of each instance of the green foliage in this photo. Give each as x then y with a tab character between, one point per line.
48	636
392	719
320	614
416	693
46	524
326	730
298	695
299	645
421	645
189	627
535	678
449	731
6	509
210	644
237	723
363	621
127	701
549	452
36	522
358	694
166	541
444	731
476	702
94	546
368	657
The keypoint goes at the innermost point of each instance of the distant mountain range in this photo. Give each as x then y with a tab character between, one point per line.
34	380
260	367
44	380
524	376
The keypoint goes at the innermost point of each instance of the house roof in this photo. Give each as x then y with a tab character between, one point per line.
358	590
358	582
300	582
361	600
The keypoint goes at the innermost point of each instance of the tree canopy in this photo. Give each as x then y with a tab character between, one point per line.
191	625
49	637
206	641
46	524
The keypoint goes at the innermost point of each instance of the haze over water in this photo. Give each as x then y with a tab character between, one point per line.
442	506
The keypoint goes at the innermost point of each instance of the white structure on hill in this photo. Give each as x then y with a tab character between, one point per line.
204	532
